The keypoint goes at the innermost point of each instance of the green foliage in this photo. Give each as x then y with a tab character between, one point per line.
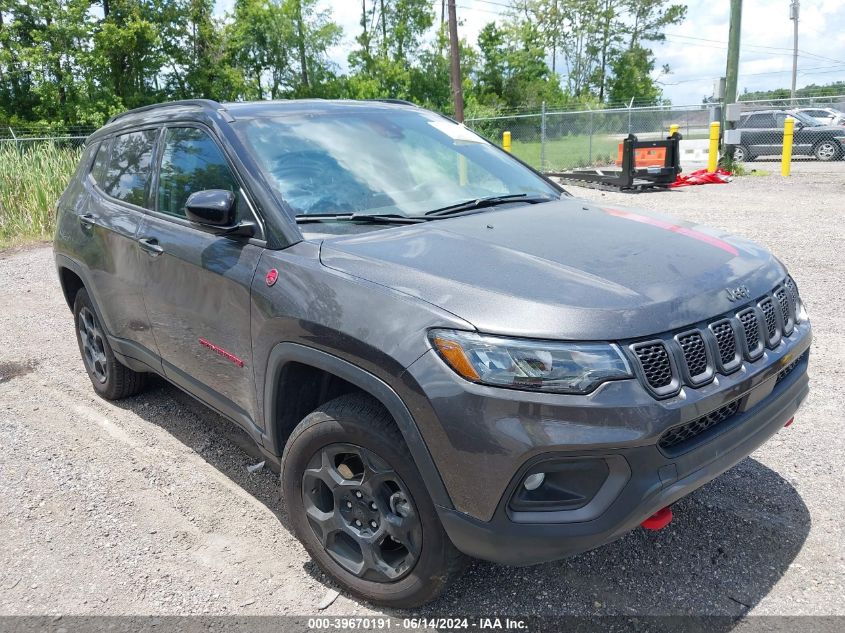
632	77
33	178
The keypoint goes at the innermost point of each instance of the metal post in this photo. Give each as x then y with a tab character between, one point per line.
786	155
630	105
590	160
506	141
543	136
673	129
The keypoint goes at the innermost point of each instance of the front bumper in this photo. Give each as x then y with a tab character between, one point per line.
655	482
644	478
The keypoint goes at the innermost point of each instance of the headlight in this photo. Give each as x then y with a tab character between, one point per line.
529	364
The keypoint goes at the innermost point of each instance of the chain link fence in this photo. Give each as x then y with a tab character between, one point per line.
23	137
557	140
818	128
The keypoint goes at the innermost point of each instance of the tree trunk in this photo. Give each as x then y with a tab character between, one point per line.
303	62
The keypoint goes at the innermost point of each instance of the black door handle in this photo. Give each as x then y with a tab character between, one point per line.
86	220
150	245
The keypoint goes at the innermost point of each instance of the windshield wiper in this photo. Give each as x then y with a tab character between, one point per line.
489	201
366	218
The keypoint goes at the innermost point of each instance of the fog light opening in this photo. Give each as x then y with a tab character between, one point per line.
532	482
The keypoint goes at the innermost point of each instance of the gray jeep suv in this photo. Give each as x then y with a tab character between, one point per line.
443	352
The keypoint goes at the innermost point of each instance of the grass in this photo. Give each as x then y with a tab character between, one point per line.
569	152
572	152
31	180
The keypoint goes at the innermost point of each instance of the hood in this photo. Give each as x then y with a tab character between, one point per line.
562	270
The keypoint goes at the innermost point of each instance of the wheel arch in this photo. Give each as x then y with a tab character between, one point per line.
293	369
71	284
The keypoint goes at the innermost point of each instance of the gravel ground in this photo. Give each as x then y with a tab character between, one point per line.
146	506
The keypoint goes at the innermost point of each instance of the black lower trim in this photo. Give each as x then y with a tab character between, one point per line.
656	482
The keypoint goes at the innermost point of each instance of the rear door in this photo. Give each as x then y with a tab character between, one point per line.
197	284
761	137
118	188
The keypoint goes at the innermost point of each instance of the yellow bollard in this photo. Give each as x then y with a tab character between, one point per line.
506	141
673	129
786	155
713	153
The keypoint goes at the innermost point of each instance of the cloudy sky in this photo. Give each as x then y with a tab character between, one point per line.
694	50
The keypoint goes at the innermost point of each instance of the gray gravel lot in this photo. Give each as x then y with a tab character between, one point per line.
146	506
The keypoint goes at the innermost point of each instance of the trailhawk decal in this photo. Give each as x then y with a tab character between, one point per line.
222	352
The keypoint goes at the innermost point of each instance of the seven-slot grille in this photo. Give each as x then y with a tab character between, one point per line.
726	342
655	363
695	353
719	347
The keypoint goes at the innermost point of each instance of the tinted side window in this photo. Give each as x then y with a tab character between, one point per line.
191	162
761	121
100	161
128	171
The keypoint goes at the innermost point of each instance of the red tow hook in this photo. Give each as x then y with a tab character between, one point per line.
658	520
791	420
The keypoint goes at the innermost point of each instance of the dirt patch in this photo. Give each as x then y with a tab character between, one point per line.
14	369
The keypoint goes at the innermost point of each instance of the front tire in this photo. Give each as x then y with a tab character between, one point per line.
359	506
826	151
110	378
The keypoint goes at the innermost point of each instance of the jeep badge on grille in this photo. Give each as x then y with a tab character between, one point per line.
740	292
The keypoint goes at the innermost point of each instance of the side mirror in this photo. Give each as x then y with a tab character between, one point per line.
211	207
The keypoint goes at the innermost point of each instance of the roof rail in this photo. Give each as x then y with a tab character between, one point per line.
396	101
205	103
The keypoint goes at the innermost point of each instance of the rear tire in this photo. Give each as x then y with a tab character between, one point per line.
350	486
110	378
742	155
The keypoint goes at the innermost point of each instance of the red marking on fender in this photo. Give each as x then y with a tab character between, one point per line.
658	520
271	277
675	228
222	352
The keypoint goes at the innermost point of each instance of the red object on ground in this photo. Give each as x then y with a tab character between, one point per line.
701	177
658	520
791	420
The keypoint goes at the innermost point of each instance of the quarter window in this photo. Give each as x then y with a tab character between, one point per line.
191	162
128	172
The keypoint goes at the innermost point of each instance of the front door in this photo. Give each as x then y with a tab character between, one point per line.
197	287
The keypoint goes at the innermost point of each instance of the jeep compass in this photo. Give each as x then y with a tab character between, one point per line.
444	353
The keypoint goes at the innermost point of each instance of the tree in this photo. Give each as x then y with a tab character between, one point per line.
632	78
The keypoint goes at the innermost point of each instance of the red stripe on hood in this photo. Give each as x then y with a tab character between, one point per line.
675	228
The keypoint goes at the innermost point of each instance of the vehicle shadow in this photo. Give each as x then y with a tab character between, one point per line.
728	545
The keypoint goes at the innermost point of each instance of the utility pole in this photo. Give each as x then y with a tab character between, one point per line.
455	56
793	15
732	70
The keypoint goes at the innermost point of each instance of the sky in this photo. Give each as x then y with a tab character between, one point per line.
695	50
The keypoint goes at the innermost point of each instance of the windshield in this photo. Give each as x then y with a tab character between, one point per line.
395	162
805	118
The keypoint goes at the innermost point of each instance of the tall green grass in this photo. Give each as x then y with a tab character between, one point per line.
31	180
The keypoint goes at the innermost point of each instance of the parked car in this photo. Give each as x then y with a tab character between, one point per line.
762	135
825	116
443	352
